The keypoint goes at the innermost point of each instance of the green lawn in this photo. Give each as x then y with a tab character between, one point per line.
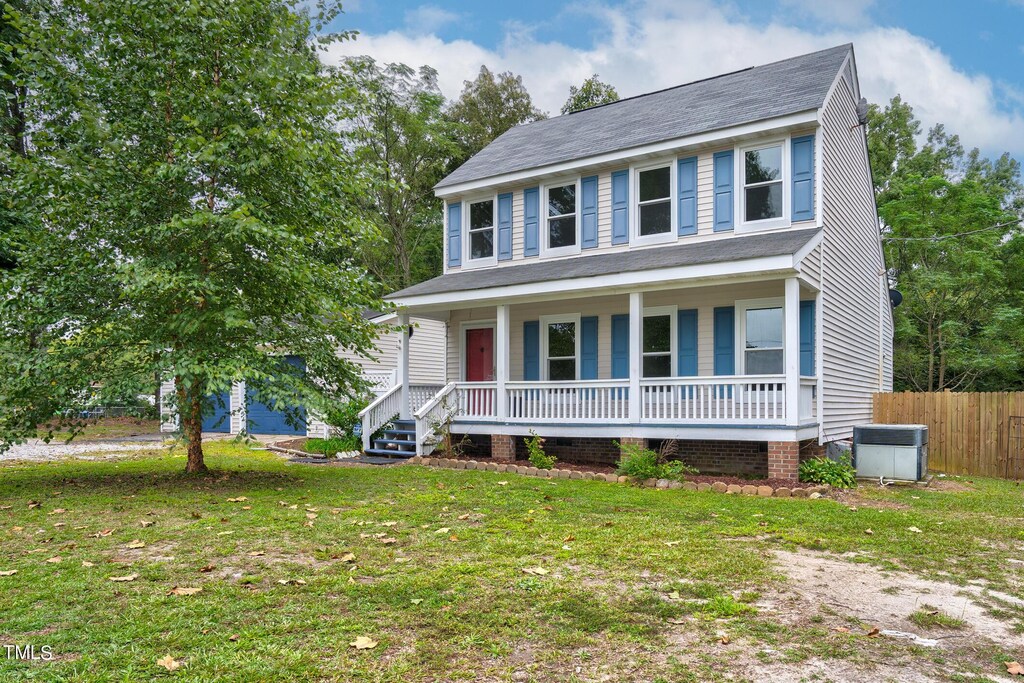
642	584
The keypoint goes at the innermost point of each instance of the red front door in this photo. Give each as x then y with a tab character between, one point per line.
480	355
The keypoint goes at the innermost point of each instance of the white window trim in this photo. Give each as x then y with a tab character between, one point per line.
546	320
673	316
467	247
476	325
635	238
739	208
545	251
742	306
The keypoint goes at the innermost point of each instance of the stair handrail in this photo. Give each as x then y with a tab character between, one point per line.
423	428
372	416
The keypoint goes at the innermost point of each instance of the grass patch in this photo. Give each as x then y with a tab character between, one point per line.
296	561
932	617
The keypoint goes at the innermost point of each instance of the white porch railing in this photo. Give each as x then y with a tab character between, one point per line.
808	399
755	398
387	406
582	401
380	381
432	416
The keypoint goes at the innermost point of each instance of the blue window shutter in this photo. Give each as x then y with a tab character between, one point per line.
531	350
588	206
803	178
725	340
687	177
531	221
723	190
455	234
807	320
620	346
620	207
504	226
588	347
686	333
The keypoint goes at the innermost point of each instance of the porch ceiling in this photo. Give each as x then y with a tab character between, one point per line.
719	251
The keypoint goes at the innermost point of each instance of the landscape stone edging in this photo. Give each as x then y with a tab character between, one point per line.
717	487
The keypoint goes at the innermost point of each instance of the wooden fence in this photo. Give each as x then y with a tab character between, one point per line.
968	433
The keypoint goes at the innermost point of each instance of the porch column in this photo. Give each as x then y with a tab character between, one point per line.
501	361
636	319
405	404
791	350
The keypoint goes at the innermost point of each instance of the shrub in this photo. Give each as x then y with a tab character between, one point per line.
345	423
641	463
538	458
836	473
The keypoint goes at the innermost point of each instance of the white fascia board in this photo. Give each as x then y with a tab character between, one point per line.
660	278
625	155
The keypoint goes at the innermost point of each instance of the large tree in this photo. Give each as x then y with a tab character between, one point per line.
404	143
951	224
192	189
489	106
591	93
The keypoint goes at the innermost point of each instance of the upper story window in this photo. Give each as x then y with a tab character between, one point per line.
560	226
480	242
764	178
654	216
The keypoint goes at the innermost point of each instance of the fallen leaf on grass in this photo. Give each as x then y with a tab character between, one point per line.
568	539
672	543
9	572
416	601
348	557
724	639
1014	668
17	529
502	483
536	571
873	633
168	663
841	629
442	530
363	643
247	507
87	563
5	507
57	511
136	544
33	504
311	515
465	516
677	622
388	541
869	532
102	534
403	559
233	638
122	579
207	568
146	522
225	533
293	582
55	560
914	529
388	523
182	590
240	499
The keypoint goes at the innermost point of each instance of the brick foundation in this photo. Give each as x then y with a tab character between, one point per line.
811	449
783	459
735	458
582	450
503	447
632	441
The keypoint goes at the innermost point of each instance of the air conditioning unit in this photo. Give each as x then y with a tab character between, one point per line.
891	451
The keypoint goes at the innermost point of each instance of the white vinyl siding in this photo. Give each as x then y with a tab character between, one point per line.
853	367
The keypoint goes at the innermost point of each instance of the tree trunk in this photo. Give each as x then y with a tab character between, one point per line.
190	410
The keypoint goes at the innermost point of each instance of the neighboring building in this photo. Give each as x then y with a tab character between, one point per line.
427	368
700	264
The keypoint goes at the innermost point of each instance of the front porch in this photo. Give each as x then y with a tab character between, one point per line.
729	362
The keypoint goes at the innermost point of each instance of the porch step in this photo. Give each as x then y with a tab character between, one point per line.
396	432
383	443
404	424
389	453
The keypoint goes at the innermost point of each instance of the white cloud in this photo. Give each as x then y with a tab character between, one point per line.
428	19
842	12
654	44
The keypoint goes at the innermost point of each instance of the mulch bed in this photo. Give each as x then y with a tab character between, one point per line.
695	478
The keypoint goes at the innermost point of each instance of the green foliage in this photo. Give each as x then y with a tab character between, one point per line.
928	616
537	457
404	144
962	316
592	93
192	197
641	463
334	445
489	106
344	418
836	473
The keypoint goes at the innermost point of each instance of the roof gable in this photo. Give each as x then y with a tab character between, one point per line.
755	94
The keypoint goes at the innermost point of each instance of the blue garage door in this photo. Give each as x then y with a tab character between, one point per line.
265	418
218	417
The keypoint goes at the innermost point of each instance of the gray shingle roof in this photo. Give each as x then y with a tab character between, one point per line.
711	251
761	92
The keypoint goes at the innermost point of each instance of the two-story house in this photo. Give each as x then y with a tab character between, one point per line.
701	263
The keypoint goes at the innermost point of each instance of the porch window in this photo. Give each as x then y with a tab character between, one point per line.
561	218
762	348
561	349
657	344
655	201
762	183
481	230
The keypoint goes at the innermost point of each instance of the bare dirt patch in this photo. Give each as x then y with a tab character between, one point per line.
882	599
853	498
949	486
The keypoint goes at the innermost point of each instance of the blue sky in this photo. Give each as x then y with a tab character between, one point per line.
959	63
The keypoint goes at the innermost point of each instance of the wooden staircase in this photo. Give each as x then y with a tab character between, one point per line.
399	441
